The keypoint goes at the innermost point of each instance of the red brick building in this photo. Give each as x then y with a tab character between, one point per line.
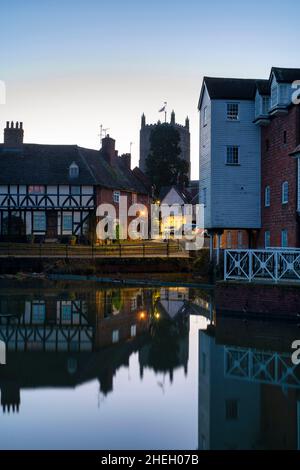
280	136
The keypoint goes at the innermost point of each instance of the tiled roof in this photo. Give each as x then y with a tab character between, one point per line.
284	75
49	164
230	88
263	87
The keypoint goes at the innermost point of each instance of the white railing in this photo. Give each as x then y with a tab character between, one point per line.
274	264
267	367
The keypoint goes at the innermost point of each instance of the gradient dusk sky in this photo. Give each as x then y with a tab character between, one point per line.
70	66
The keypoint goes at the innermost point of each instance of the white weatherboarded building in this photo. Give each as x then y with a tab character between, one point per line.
229	184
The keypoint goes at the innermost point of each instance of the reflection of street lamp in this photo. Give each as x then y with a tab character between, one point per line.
157	315
142	316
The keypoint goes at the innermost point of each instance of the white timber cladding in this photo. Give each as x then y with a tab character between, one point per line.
205	156
233	192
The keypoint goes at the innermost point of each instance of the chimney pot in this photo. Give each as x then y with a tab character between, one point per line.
13	136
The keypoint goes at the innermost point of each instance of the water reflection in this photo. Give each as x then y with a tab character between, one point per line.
249	390
59	337
171	368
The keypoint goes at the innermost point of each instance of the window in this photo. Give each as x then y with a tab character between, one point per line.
116	197
284	238
267	145
205	116
73	170
115	336
36	189
133	331
38	312
75	190
67	222
204	196
284	137
228	240
66	312
232	155
274	95
267	239
231	410
232	111
134	198
285	192
240	239
39	221
267	196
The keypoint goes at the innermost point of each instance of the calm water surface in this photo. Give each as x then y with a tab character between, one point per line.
132	368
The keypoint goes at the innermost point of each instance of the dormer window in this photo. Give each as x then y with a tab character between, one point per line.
73	170
265	105
274	94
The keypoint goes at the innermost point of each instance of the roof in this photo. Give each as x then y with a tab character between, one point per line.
263	87
182	193
229	88
285	75
49	165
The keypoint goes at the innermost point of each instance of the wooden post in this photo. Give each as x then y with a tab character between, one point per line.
218	248
211	246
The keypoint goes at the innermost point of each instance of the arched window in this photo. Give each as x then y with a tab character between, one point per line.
73	170
267	196
285	192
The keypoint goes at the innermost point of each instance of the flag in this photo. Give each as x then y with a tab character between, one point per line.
163	108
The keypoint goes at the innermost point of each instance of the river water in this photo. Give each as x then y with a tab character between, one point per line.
94	367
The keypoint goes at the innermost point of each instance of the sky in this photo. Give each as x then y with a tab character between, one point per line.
70	66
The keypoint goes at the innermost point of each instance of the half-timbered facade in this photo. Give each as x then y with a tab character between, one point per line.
51	191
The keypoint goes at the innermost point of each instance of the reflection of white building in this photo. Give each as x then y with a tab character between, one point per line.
229	410
173	299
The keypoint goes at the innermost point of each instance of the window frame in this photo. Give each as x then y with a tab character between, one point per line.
267	196
232	116
40	228
117	193
284	234
267	235
64	216
205	116
285	192
233	148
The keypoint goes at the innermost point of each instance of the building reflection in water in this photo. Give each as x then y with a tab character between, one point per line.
249	390
59	337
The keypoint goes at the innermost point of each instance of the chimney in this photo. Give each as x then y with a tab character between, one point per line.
126	158
13	135
108	149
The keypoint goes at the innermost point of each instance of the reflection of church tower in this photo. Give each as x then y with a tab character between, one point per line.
10	397
145	132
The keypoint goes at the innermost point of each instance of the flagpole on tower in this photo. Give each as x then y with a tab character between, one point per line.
164	109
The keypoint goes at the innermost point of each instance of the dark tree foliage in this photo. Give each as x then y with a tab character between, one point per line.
164	167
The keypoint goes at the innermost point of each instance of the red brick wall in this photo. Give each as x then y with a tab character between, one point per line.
105	196
254	298
276	167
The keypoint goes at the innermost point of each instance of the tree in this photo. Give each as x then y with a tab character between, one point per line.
164	166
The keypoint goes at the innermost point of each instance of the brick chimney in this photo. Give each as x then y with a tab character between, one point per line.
13	135
108	149
126	158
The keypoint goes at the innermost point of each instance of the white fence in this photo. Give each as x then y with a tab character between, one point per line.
273	264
